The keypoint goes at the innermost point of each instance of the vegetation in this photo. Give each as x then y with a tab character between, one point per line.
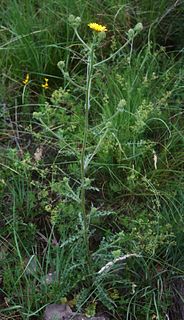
92	170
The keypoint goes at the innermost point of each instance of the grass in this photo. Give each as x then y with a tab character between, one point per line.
82	187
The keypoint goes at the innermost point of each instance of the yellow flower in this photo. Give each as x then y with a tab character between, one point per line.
26	80
45	85
97	27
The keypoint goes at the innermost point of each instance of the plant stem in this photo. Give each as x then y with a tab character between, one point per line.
113	55
83	152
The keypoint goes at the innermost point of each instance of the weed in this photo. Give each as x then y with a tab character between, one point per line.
91	163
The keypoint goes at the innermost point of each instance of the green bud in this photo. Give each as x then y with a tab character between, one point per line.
121	104
131	34
77	22
61	65
138	27
71	18
74	21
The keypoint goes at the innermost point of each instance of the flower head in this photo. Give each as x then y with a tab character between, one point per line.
97	27
26	80
45	85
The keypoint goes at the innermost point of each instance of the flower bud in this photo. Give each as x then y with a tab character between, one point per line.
74	21
61	65
130	34
121	104
77	22
138	27
71	18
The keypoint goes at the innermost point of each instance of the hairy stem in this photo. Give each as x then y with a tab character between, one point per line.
83	151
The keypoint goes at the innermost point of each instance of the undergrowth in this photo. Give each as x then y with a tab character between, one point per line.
92	166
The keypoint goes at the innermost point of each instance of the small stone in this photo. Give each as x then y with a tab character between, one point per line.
63	312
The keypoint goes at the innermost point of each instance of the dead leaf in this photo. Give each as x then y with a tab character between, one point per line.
38	153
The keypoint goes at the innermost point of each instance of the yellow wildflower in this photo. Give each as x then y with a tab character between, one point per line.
26	80
97	27
45	85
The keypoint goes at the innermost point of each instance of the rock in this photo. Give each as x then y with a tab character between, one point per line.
63	312
57	312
